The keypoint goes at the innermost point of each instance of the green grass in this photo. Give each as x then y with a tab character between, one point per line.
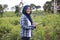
48	28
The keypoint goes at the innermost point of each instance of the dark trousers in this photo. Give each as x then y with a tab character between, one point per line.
25	38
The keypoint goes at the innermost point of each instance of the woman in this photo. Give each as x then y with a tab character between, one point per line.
26	23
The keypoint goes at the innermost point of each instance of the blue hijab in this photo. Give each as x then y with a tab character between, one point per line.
27	15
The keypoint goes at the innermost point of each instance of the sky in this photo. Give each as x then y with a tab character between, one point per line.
12	3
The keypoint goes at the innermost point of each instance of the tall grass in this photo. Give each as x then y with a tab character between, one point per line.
48	28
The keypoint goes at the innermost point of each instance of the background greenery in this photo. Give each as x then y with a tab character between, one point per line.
48	28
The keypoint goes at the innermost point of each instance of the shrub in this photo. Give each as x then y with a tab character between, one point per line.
48	28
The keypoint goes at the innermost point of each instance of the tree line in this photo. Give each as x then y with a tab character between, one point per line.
49	6
17	8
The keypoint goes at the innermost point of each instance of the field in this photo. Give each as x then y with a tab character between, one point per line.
48	28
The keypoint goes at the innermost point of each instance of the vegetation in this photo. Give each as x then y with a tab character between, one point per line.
33	6
17	10
49	6
2	8
48	28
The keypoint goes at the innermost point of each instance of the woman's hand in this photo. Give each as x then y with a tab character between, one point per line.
35	24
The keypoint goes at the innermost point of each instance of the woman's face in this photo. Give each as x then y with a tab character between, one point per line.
28	10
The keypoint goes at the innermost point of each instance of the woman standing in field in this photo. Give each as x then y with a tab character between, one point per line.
26	23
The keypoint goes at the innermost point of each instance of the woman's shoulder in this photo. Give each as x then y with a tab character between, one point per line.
23	16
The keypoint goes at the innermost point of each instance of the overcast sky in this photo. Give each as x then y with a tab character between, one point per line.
26	2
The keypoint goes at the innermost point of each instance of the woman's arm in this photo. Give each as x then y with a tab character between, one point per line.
24	24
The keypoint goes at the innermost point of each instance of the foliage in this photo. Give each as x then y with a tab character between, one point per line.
2	8
48	28
33	6
17	10
48	6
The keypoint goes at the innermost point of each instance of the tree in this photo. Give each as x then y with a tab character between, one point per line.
58	4
32	6
17	10
47	6
1	10
52	6
5	6
37	7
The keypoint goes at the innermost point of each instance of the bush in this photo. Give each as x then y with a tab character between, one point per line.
48	28
9	28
